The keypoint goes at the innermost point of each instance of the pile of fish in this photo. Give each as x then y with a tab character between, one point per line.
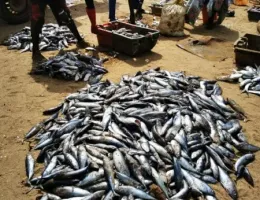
72	66
53	37
255	9
248	78
156	135
128	33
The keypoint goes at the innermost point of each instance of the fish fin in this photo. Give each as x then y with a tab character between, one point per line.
32	187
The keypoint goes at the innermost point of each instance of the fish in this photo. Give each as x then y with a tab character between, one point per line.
109	173
227	183
120	163
159	182
129	190
29	165
70	191
91	177
128	33
247	176
242	162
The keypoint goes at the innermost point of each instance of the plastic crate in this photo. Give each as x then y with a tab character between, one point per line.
124	44
254	13
247	50
156	10
104	36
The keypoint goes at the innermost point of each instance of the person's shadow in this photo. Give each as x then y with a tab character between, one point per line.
135	61
218	32
58	85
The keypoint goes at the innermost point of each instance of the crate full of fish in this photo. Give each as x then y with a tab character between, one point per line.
254	13
247	50
127	38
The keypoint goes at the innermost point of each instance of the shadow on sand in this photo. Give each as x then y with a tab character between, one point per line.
58	85
141	60
135	61
218	32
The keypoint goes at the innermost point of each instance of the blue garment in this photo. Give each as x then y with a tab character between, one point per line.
137	4
112	10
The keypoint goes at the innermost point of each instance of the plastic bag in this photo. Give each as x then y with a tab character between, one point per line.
172	19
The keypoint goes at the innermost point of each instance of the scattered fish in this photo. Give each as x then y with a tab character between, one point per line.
53	37
248	78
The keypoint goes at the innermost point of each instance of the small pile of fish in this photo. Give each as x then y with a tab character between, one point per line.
70	3
248	78
53	37
255	9
128	33
72	66
141	24
155	22
158	133
161	3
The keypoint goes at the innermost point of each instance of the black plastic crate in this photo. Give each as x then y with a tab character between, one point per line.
247	50
130	46
254	13
156	9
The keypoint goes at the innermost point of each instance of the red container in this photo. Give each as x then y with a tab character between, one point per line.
104	36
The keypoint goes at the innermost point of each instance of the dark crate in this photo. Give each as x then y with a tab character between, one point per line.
156	10
247	50
125	44
253	14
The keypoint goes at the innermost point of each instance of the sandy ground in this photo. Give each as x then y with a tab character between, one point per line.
23	97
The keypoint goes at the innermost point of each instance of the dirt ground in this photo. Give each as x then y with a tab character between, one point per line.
23	97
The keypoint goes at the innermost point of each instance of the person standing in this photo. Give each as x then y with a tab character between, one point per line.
91	12
62	16
112	10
